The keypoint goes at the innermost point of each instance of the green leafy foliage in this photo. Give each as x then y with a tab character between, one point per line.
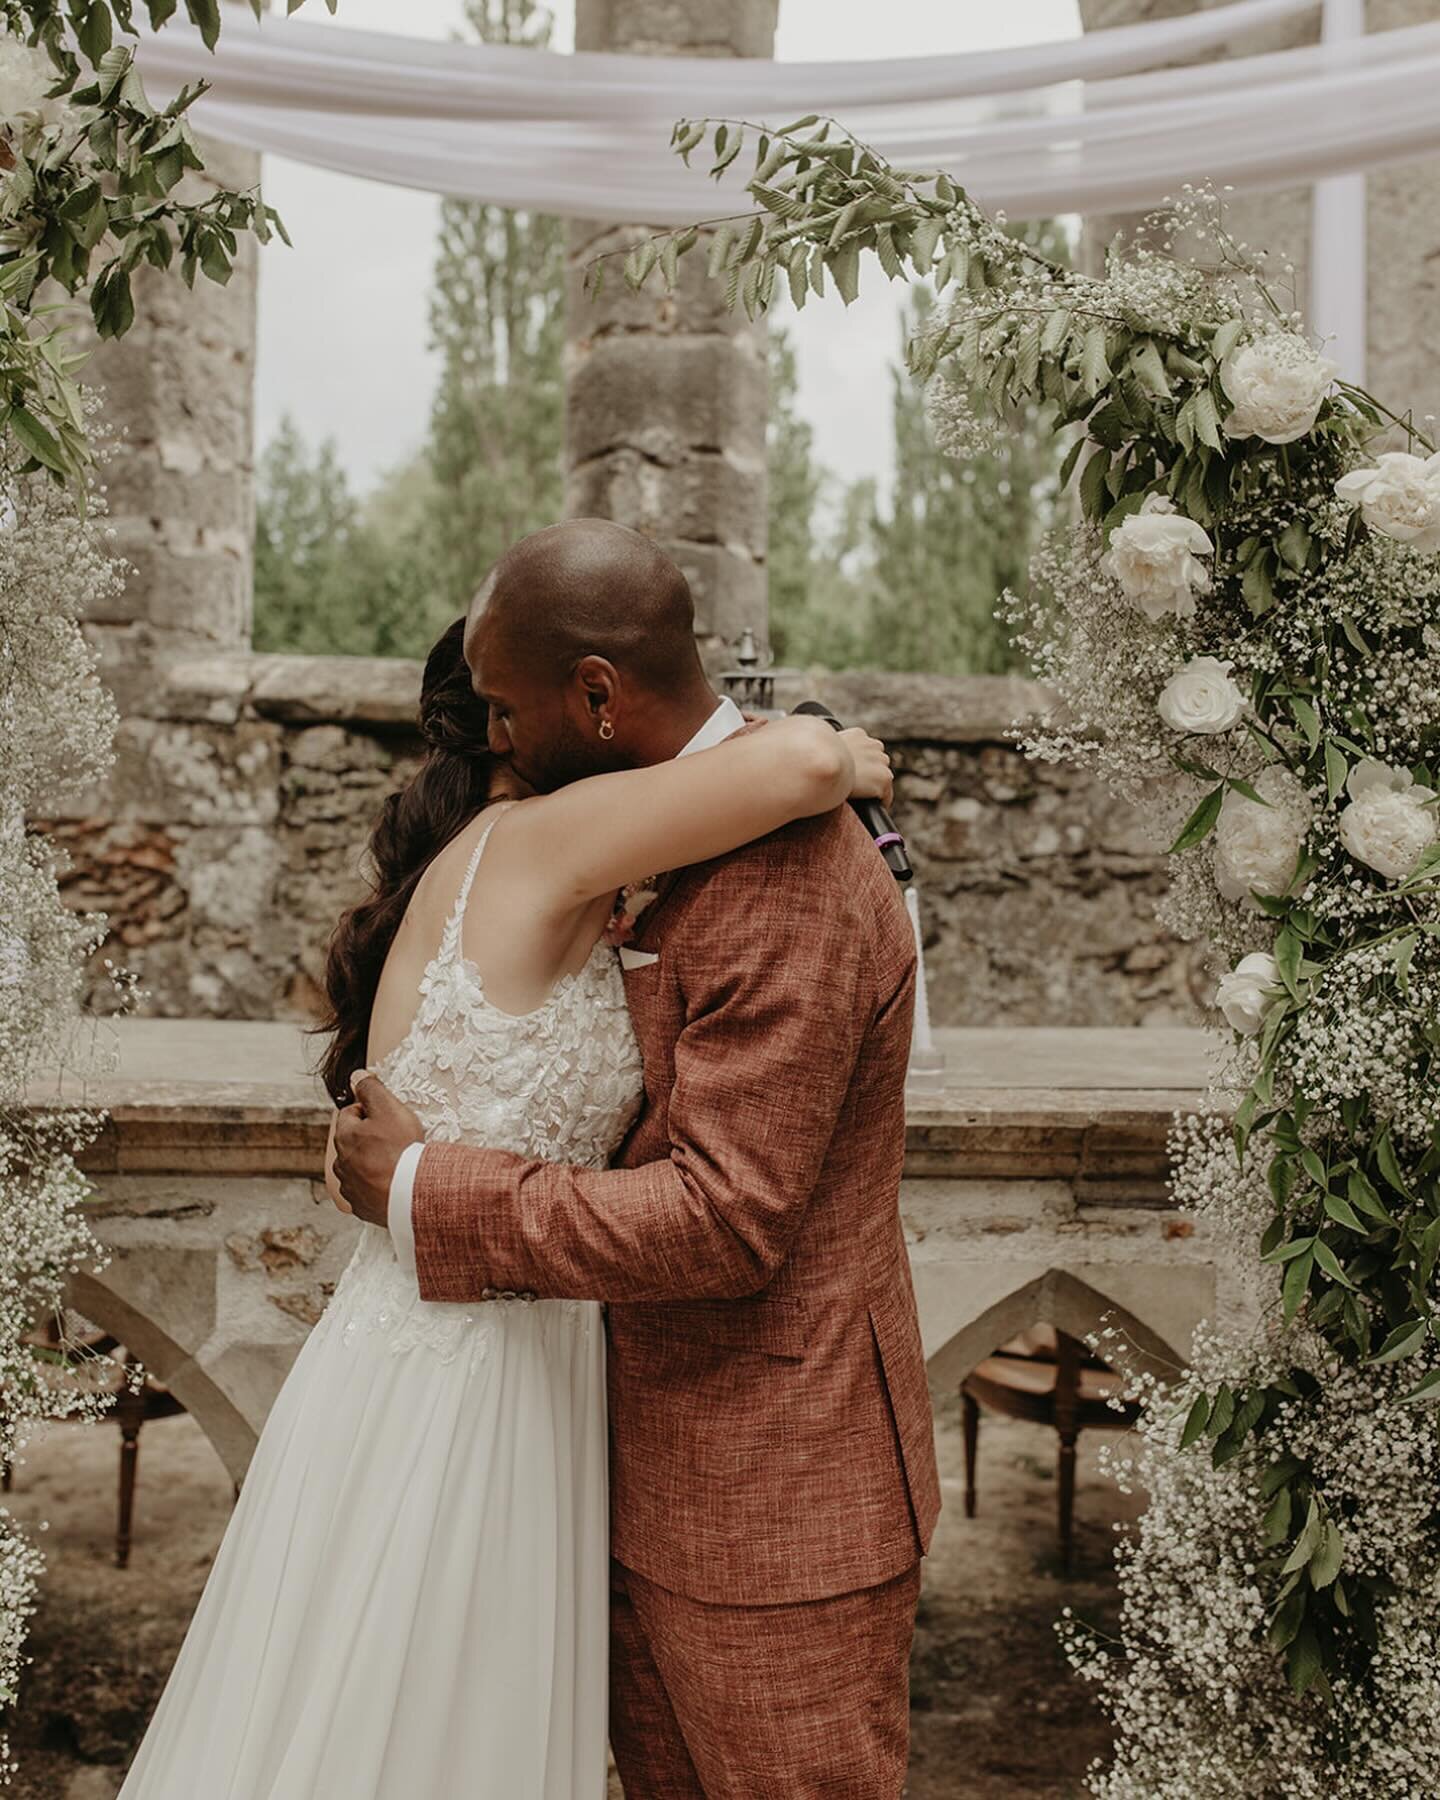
92	196
333	576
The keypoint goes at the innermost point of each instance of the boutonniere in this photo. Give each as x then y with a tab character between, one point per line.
629	904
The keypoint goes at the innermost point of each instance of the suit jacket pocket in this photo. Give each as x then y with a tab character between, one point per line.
766	1326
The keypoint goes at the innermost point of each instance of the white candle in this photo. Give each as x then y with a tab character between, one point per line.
923	1038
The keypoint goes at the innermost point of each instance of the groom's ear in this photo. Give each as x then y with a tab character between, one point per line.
600	691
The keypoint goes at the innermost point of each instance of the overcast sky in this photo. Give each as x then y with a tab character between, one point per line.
343	315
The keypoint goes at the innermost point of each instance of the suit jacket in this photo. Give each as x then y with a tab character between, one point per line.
771	1431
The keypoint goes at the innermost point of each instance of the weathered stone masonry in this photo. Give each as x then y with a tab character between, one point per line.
231	835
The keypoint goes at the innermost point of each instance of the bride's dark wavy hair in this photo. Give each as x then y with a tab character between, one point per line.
452	784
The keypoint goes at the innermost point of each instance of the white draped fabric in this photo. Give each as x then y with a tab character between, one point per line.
289	63
1086	126
1095	124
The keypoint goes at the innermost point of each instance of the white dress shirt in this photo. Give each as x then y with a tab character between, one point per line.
724	722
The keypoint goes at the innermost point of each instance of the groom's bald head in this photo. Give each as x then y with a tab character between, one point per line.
589	587
582	640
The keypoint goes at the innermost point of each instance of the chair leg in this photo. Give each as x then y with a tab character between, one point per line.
971	1407
130	1422
1067	1499
1067	1424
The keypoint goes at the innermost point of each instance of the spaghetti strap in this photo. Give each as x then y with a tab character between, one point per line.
450	942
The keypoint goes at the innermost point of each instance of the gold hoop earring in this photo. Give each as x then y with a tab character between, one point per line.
607	730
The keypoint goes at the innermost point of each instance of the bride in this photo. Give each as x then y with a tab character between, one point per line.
410	1600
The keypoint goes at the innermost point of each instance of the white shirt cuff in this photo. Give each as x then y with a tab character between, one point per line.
402	1194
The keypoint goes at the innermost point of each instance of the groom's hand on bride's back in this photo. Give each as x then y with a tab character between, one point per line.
370	1134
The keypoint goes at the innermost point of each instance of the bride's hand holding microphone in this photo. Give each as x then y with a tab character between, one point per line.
874	776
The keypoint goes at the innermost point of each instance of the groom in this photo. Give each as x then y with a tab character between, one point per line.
773	1469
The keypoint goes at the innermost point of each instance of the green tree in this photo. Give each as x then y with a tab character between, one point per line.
497	318
326	581
911	582
819	613
955	535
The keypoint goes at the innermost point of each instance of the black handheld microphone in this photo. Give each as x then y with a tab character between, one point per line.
871	814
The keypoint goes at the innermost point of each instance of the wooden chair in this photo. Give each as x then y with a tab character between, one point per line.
1048	1378
133	1404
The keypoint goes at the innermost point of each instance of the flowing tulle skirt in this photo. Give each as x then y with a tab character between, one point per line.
410	1601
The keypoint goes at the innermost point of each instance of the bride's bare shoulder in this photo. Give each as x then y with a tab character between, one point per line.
439	886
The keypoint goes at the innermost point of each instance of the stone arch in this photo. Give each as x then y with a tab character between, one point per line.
1073	1305
215	1411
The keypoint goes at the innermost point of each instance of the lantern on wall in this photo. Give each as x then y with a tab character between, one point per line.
751	683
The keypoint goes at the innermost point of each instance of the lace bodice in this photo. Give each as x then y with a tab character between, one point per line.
561	1083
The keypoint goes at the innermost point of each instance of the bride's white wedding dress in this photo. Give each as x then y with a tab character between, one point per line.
411	1600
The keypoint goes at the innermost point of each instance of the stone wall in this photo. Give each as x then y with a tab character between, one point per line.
230	838
666	392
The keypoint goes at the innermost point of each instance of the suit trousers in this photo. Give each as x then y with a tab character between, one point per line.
796	1702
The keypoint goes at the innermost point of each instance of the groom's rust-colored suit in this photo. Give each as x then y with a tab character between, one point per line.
773	1466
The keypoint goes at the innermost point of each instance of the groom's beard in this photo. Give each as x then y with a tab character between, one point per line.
568	756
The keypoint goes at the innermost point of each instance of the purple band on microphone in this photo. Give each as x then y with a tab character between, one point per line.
889	838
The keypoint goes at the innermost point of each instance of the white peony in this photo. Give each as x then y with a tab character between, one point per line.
1256	847
1154	555
26	76
1390	821
1276	385
1201	697
1248	992
1399	496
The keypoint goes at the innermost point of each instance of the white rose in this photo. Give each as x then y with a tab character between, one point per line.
1400	497
1248	992
1256	847
1201	697
1390	821
1277	385
1153	555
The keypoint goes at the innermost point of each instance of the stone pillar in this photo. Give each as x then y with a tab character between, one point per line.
666	395
1403	231
179	389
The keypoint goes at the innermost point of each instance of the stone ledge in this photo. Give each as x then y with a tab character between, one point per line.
1106	1139
337	690
378	693
921	709
374	693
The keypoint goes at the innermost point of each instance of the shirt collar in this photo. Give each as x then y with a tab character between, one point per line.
724	722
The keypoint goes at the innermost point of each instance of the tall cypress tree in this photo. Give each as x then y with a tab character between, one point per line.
955	535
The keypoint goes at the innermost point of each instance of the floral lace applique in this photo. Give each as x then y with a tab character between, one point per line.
561	1083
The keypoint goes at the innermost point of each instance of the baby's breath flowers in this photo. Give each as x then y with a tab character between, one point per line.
1281	1595
56	724
1198	1699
